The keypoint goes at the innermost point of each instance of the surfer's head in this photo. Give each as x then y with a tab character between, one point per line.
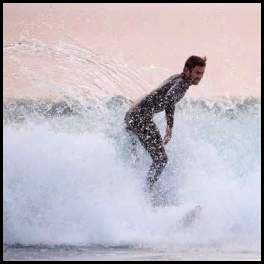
194	68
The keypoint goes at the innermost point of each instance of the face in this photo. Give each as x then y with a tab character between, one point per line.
196	74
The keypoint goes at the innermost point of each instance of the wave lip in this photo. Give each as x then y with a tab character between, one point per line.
18	110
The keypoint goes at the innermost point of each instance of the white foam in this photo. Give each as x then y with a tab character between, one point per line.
75	188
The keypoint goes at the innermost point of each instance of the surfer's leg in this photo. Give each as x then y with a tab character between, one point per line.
133	143
150	138
152	141
131	123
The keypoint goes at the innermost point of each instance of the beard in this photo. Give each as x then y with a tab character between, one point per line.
196	81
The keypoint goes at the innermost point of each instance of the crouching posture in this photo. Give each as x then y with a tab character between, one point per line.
139	118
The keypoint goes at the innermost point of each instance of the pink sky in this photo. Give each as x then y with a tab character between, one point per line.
156	35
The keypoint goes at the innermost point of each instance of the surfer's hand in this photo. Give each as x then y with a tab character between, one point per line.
167	136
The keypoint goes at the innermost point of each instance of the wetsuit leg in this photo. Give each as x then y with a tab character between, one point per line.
150	138
152	142
133	142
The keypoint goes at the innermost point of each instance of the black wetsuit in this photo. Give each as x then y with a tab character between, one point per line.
139	120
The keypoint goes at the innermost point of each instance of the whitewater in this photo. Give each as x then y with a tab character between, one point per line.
71	188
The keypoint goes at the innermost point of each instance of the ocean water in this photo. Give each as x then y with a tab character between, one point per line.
73	190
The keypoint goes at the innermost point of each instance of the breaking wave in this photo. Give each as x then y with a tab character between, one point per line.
69	177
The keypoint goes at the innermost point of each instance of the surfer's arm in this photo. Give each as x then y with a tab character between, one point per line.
169	111
174	94
170	106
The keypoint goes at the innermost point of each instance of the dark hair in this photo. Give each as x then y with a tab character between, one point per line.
194	61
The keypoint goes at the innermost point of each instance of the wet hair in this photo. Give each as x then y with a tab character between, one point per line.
193	61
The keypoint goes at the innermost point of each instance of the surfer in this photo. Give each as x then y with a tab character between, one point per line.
139	118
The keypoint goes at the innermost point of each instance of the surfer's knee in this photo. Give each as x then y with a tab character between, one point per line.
164	159
161	159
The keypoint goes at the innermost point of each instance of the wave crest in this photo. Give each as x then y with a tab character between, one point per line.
18	110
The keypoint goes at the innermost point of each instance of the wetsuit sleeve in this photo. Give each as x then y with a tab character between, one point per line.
170	105
170	101
169	110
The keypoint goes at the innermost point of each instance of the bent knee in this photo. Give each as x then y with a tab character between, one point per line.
164	159
161	159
